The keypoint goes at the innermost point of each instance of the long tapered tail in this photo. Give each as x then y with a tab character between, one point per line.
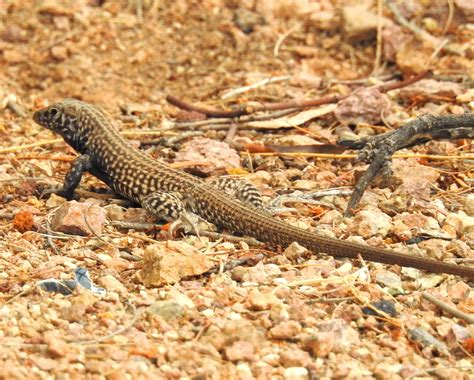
341	248
276	231
217	206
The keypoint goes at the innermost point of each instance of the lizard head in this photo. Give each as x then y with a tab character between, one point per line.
64	118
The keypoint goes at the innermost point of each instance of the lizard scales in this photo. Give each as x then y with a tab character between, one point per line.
133	174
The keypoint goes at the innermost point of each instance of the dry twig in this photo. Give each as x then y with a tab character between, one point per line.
416	30
292	104
378	150
448	308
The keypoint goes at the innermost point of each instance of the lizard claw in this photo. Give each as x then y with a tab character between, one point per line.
189	222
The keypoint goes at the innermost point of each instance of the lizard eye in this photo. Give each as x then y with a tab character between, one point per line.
54	113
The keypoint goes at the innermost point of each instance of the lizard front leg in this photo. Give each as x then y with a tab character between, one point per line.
73	177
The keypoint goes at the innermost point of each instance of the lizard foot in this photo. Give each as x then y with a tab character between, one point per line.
189	222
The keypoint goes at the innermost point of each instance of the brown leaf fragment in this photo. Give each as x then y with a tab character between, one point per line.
291	121
468	345
430	89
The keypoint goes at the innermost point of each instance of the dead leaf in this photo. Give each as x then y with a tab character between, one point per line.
294	120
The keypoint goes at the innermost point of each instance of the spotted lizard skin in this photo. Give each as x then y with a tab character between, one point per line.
136	176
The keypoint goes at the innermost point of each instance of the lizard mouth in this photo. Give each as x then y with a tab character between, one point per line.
36	117
39	118
46	116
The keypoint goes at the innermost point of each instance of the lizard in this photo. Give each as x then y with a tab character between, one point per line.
166	192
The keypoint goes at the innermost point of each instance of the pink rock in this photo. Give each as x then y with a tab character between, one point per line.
414	220
334	336
57	347
261	301
365	106
285	330
394	38
459	291
416	179
76	218
466	7
295	358
217	153
240	350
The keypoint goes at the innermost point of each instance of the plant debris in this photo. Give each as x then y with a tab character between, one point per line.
354	121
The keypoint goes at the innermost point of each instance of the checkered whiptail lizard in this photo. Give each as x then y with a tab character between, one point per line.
162	190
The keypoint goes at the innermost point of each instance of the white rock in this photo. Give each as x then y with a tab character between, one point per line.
438	204
331	217
469	205
280	281
295	251
305	185
368	223
296	373
244	371
461	222
389	280
208	312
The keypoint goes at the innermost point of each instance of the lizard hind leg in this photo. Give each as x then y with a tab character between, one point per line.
242	190
170	207
167	206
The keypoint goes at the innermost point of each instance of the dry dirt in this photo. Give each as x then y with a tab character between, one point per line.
279	314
